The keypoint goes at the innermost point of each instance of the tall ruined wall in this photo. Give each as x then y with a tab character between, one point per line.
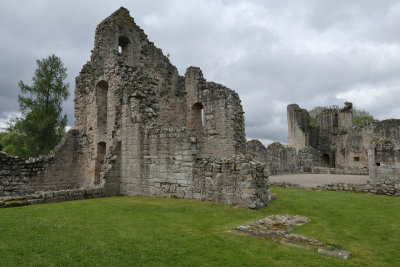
281	159
298	126
141	129
59	170
114	82
147	126
359	140
384	160
328	125
222	121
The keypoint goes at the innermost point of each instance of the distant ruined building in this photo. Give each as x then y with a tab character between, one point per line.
334	145
340	144
142	129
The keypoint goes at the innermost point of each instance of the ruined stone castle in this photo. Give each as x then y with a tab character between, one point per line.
142	129
340	144
334	145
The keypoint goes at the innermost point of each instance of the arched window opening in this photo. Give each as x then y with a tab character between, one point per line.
101	152
325	160
123	44
197	118
101	95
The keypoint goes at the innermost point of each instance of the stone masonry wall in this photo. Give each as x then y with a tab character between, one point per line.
142	129
342	146
284	160
380	187
235	181
51	197
281	159
360	138
308	158
384	160
169	165
298	126
59	170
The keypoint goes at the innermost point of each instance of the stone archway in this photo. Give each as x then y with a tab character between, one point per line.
197	116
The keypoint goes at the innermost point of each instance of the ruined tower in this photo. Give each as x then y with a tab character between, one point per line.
298	126
147	126
142	129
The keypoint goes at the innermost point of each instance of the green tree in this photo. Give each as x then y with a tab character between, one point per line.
359	116
42	121
12	141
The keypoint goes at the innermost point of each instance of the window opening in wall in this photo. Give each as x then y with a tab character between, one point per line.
325	160
123	45
197	118
101	152
356	158
101	95
378	164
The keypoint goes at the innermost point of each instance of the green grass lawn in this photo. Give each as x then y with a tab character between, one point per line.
132	231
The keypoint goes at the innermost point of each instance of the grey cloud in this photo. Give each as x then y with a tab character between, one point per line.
273	53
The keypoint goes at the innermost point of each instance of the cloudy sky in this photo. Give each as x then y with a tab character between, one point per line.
273	53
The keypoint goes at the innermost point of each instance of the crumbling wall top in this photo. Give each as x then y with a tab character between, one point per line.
120	17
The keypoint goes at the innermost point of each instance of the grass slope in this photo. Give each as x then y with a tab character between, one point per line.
132	231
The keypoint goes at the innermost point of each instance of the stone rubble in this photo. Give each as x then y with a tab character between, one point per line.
277	228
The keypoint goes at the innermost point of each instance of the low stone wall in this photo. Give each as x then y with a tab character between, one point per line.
235	181
57	171
278	158
323	170
16	174
381	187
51	197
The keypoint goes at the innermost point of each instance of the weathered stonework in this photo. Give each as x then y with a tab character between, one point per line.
298	126
142	129
51	197
384	160
277	228
342	147
21	177
282	159
380	187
